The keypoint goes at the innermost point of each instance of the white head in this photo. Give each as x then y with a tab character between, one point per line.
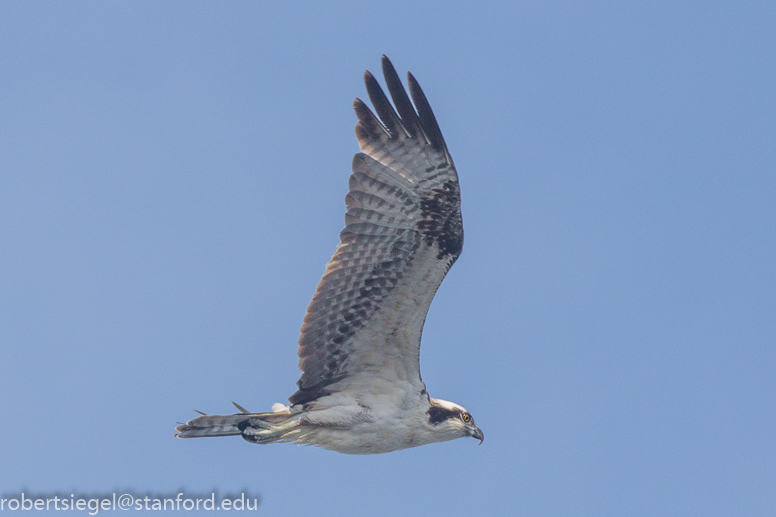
450	421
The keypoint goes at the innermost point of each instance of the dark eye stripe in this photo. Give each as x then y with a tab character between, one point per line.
438	414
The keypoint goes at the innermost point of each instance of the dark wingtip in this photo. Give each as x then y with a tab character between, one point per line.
382	105
404	107
425	113
387	65
368	126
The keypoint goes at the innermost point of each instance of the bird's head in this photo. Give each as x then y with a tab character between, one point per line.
451	421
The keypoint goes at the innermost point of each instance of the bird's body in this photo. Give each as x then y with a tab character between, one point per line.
361	391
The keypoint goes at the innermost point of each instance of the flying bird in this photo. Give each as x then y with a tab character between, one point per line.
361	391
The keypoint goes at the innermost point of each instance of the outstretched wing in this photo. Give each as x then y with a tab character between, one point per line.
403	232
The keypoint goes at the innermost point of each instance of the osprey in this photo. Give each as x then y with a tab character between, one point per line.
360	391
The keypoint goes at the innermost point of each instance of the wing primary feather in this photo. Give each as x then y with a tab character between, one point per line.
427	119
383	106
402	102
369	127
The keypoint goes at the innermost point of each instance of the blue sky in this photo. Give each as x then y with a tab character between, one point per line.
172	179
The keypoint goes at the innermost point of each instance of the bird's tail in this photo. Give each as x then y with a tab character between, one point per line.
279	426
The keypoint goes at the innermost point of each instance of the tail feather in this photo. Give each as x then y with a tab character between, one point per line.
253	427
211	425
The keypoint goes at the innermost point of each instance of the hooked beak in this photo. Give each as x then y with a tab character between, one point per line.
476	433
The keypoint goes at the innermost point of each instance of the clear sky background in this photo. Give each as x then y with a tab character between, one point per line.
172	177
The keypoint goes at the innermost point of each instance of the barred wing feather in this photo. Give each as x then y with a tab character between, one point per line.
403	232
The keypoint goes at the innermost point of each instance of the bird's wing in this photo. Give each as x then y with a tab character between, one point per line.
403	232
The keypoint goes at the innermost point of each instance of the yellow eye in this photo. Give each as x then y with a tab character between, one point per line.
466	417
